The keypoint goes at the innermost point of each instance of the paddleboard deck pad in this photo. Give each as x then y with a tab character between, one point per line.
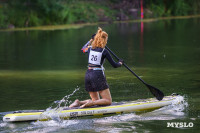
115	108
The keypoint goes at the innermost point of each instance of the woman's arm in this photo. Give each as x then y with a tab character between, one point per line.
86	46
112	62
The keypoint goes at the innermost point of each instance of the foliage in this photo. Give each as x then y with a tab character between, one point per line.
49	9
34	20
158	10
2	18
79	12
23	13
171	8
180	7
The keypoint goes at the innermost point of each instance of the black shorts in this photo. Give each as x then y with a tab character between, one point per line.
95	81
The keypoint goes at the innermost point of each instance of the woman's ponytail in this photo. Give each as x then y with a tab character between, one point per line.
100	39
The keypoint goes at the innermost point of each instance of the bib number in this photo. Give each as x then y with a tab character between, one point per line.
95	57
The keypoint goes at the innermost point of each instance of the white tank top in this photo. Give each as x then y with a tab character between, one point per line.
95	57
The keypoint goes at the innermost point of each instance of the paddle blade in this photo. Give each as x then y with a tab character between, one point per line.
156	92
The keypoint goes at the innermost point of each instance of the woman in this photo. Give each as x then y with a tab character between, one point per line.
95	80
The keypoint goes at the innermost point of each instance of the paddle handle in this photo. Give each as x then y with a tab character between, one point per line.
126	66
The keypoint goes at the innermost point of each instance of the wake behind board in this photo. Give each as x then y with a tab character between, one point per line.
115	108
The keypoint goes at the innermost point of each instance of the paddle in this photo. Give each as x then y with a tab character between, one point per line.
156	92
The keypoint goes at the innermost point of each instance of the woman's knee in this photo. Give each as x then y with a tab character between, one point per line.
94	96
105	94
108	101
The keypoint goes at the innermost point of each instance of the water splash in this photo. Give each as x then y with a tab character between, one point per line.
64	102
57	106
170	112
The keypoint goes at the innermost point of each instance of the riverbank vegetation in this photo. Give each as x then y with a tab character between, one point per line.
29	13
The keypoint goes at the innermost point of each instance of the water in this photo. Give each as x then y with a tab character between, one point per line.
40	67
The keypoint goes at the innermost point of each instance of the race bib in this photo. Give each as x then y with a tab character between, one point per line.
95	57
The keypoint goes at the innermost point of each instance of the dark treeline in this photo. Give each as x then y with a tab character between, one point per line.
26	13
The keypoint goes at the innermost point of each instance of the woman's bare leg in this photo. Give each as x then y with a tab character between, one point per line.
78	103
94	96
105	95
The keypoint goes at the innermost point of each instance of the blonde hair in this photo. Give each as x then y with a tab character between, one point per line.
100	39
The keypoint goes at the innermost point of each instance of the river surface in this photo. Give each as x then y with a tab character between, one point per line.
40	67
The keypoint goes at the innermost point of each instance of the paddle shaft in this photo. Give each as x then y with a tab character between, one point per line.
126	66
156	92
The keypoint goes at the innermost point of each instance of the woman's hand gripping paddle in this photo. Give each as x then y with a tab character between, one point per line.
156	92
